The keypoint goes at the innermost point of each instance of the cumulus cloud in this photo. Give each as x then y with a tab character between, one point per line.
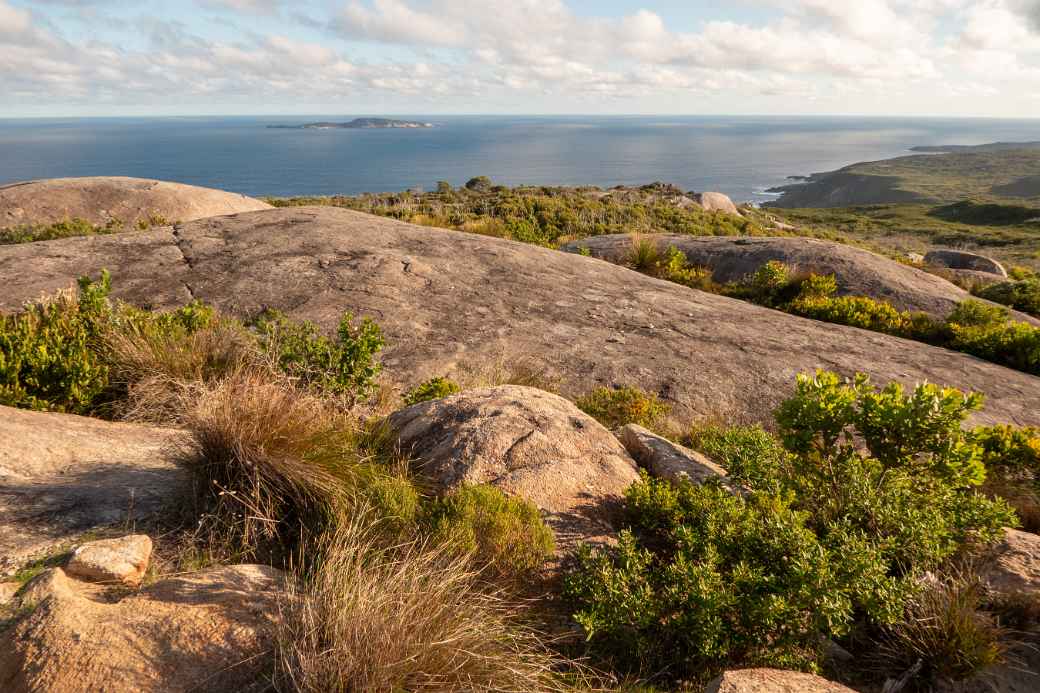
866	50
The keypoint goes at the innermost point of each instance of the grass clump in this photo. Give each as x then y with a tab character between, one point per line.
67	228
413	618
624	405
863	493
503	533
434	388
671	265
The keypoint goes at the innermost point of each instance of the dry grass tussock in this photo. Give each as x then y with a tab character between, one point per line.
509	369
411	618
276	462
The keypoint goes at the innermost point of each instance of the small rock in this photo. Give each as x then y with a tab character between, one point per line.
50	583
964	260
666	460
124	560
7	592
1015	563
716	202
773	681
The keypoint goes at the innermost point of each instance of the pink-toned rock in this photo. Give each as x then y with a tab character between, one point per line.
122	560
773	681
528	443
667	460
1015	565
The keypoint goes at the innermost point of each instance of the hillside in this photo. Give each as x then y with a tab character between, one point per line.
991	174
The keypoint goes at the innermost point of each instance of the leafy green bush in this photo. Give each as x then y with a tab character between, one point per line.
864	492
506	534
434	388
1012	459
1021	295
710	579
344	366
48	354
624	405
986	332
479	184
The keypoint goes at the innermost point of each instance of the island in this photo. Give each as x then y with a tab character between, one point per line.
357	124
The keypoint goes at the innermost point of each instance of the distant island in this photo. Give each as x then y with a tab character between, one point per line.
357	124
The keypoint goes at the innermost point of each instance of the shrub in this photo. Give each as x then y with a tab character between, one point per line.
1023	295
75	226
413	618
504	533
344	366
479	184
617	407
1012	460
434	388
710	580
751	456
980	332
48	357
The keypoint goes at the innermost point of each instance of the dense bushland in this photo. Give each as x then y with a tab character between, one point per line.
544	215
864	493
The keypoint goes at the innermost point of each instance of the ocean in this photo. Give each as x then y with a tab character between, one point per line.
740	156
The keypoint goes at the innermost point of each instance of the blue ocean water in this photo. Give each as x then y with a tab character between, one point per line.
740	156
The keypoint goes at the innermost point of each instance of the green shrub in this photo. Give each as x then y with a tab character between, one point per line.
1023	295
711	580
344	366
75	226
1012	459
981	332
864	493
504	533
479	184
751	456
617	407
48	354
434	388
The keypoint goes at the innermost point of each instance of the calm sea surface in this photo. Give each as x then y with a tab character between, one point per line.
740	156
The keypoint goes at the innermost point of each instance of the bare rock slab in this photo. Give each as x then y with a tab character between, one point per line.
449	300
964	260
197	632
528	443
773	681
62	475
122	560
1015	565
667	460
102	199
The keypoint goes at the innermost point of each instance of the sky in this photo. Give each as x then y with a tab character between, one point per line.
62	58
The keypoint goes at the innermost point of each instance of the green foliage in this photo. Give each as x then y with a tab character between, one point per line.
48	354
617	407
344	366
75	226
751	456
985	331
504	533
479	184
1012	459
1023	295
434	388
711	580
864	492
444	188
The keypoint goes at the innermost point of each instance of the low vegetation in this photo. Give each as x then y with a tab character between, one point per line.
1023	294
543	215
28	233
832	537
616	407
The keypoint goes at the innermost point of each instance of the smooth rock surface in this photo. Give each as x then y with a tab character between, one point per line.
716	202
964	260
1015	565
101	199
447	300
666	460
61	475
196	632
858	272
124	559
773	681
528	443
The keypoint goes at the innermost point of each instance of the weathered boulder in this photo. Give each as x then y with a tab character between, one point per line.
61	475
772	681
716	202
666	460
858	272
449	300
964	260
102	199
123	559
202	631
528	443
1015	564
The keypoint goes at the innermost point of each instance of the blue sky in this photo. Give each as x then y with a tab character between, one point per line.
878	57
